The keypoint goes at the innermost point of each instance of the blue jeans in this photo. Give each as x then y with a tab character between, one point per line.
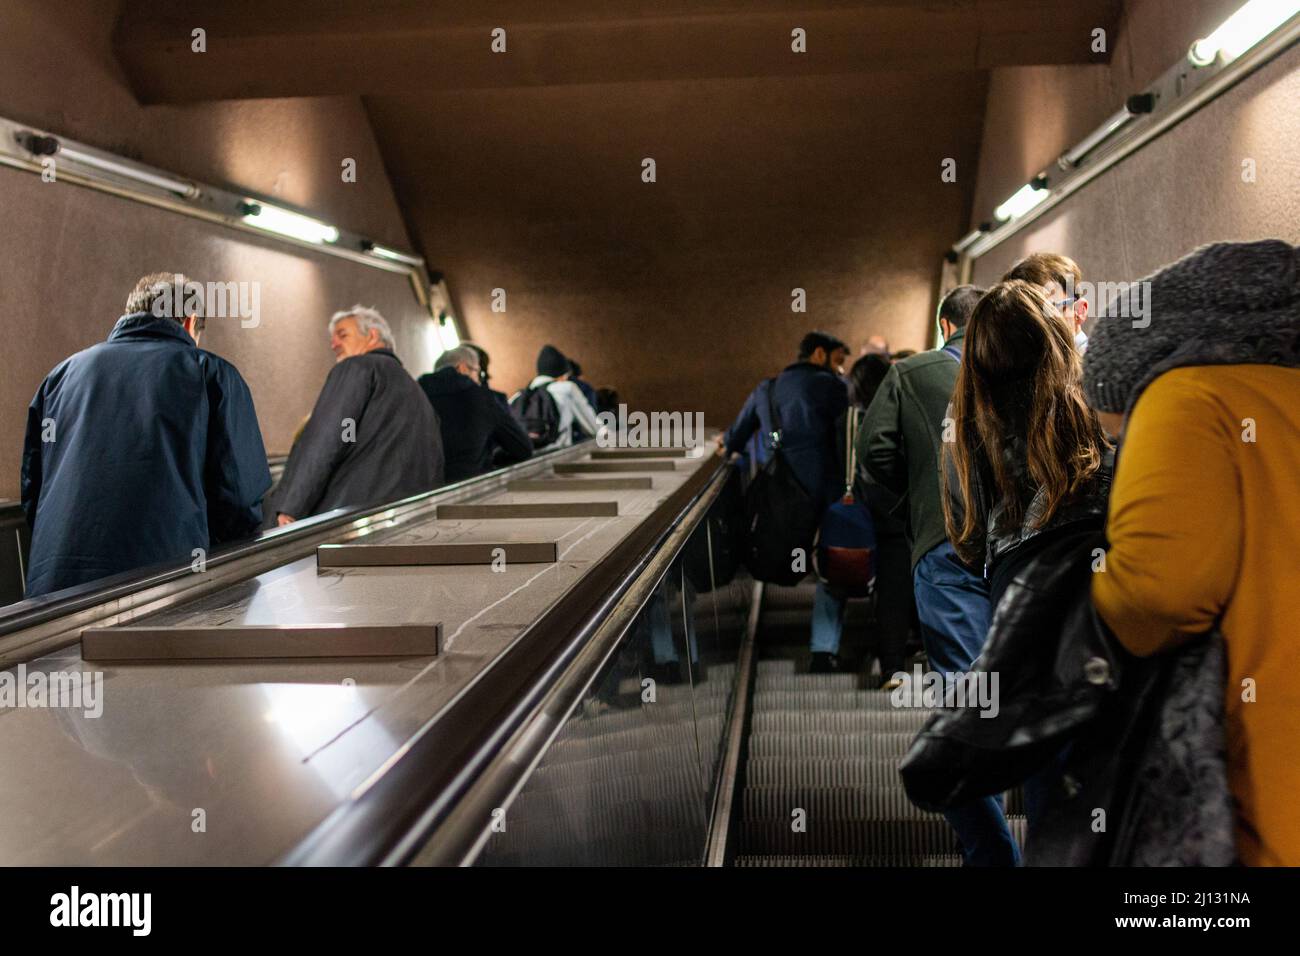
827	621
953	605
661	631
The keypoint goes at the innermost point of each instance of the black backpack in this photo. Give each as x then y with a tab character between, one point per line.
537	412
780	517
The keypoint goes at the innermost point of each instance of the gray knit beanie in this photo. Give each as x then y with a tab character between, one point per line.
1230	303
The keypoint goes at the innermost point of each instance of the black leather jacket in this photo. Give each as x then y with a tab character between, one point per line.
1085	509
1145	736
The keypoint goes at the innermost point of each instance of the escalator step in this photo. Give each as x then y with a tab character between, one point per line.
944	859
825	772
831	803
873	721
807	701
905	837
797	681
788	745
818	722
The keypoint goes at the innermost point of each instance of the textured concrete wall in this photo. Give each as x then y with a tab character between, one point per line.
69	256
1183	189
678	293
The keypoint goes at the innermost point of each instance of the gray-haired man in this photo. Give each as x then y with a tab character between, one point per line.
372	437
477	430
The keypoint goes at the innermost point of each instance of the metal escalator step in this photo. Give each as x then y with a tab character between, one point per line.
855	722
779	744
800	596
809	701
807	682
877	743
823	771
830	803
886	838
944	859
873	721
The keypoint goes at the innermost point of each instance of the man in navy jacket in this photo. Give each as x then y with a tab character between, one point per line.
141	449
810	398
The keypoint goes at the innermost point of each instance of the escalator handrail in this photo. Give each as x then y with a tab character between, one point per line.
394	814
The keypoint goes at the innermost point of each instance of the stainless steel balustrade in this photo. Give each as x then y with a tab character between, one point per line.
275	753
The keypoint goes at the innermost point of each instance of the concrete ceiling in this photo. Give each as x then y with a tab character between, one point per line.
257	48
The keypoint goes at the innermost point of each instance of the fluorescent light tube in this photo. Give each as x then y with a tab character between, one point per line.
286	223
1241	31
103	163
1025	199
393	255
967	241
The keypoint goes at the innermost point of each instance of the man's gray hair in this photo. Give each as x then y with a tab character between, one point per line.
367	319
166	295
453	357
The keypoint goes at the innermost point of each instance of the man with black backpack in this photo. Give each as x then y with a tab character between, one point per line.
552	407
803	471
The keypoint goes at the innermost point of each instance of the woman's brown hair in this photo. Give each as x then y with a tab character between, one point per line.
1020	379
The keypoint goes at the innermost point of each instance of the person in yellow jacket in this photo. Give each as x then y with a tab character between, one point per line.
1203	383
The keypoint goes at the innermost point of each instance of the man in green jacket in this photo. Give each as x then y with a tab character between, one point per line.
900	451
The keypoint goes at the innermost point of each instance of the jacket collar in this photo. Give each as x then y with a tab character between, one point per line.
447	381
385	352
142	325
957	340
807	367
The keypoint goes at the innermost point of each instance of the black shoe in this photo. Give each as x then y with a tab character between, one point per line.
667	673
824	663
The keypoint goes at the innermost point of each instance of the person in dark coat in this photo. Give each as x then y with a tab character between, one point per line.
372	438
477	430
141	449
810	398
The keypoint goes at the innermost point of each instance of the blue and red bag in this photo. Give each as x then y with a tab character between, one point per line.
845	553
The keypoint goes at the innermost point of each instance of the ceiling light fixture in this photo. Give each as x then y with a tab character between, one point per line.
39	145
286	223
1241	31
1026	198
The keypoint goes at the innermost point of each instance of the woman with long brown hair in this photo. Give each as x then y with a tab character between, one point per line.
1028	456
1029	460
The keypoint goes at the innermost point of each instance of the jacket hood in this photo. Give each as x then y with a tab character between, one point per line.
445	381
1230	303
148	325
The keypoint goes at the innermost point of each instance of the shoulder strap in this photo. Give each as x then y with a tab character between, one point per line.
851	422
772	412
